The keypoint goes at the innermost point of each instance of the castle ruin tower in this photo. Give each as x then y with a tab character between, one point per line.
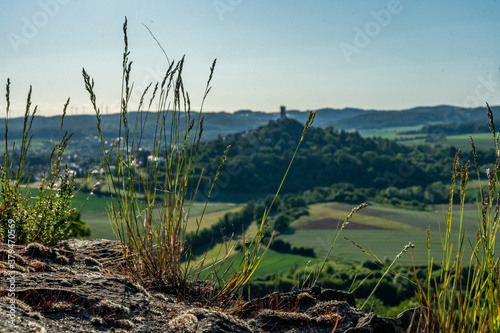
282	112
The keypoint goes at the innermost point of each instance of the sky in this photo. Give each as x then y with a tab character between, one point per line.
306	55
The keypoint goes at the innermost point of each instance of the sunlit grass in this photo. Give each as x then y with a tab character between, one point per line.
465	295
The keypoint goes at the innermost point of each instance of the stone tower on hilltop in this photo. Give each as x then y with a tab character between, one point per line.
282	112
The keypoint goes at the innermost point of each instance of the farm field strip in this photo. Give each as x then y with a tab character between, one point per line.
460	141
383	241
330	215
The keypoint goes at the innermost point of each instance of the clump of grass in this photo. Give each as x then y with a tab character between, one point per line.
48	217
152	206
465	296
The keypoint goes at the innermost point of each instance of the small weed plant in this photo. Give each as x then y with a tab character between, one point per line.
48	216
152	204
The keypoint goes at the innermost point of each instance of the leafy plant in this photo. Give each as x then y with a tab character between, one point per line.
48	217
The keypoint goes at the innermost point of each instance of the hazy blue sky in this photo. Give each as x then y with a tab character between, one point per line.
380	54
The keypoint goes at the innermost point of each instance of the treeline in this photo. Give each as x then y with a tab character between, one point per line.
412	197
281	246
230	225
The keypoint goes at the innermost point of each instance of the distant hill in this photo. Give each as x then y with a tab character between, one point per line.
420	116
263	144
219	124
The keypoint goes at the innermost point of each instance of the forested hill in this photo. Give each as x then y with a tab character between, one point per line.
258	160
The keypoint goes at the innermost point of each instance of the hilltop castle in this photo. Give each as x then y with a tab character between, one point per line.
282	112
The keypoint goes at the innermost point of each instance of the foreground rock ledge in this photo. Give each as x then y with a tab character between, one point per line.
72	287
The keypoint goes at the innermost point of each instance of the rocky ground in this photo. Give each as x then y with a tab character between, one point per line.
75	287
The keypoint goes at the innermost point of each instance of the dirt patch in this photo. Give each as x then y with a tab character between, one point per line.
329	224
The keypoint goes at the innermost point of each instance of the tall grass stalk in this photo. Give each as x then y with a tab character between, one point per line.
465	295
316	272
253	254
387	270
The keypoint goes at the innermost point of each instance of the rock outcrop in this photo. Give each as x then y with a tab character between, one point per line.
75	287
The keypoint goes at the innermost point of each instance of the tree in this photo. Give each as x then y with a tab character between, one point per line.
282	223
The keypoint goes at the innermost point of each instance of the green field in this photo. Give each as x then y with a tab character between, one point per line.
462	142
383	230
94	214
388	132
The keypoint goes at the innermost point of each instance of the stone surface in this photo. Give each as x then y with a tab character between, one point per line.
76	287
